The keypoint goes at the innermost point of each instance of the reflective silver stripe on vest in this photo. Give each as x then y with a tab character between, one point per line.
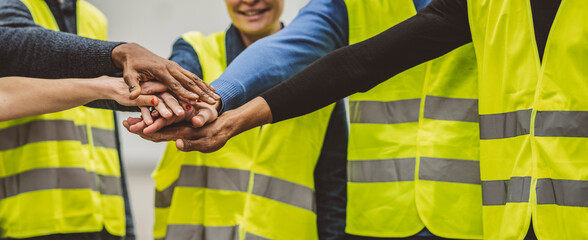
572	193
200	232
449	170
41	131
251	236
499	192
386	170
53	130
505	125
401	111
163	198
109	185
452	109
204	177
214	178
58	178
284	191
561	124
104	138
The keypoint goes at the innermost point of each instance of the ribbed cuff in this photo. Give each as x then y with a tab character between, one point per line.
232	96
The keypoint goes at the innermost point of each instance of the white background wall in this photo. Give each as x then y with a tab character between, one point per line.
156	24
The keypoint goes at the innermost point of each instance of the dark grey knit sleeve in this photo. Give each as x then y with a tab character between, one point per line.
32	51
111	105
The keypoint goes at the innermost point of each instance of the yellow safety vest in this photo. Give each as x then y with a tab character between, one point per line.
413	144
533	120
197	194
259	185
60	172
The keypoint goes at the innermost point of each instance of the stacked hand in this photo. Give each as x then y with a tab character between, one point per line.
199	129
140	65
174	117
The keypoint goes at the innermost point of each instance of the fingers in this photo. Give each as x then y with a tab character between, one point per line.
177	87
132	79
163	110
146	115
157	125
132	120
209	90
172	103
136	127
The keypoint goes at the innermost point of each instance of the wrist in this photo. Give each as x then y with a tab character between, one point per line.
219	106
95	89
119	54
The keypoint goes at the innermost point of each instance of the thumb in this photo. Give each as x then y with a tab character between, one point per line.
203	117
185	145
206	114
180	144
132	79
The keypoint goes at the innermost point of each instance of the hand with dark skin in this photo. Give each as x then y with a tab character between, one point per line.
140	65
214	134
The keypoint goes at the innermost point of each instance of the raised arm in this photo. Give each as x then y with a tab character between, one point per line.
319	28
437	29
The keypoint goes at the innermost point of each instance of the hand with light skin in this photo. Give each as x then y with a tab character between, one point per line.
196	114
171	108
215	132
140	65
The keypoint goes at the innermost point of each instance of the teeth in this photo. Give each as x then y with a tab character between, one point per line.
252	13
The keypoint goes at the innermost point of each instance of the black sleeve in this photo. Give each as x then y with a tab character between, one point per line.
32	51
437	29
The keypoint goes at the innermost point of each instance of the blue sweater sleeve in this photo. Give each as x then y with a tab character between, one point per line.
184	54
319	28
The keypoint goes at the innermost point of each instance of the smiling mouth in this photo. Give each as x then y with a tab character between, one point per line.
253	13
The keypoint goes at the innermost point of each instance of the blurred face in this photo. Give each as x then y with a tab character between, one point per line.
256	17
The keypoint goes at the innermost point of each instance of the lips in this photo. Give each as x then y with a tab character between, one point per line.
253	13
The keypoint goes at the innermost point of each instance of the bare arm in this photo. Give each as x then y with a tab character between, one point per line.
22	97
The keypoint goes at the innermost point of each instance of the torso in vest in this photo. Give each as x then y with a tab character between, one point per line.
413	147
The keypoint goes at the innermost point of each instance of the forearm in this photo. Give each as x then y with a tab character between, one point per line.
42	53
21	97
253	114
436	30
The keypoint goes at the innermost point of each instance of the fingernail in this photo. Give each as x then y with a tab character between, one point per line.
188	107
141	116
153	100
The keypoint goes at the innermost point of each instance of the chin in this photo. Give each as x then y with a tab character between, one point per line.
255	30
